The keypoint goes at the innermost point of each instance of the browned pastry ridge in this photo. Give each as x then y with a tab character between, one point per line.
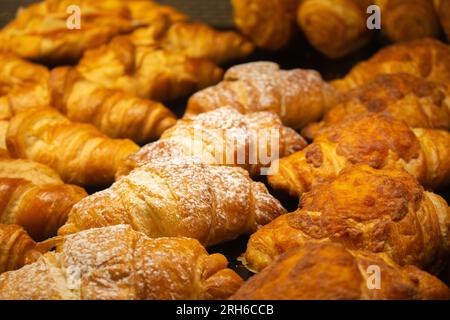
404	20
335	27
383	211
222	136
148	72
118	263
269	23
373	139
180	197
3	149
33	196
16	248
195	40
78	152
426	58
297	96
443	11
40	31
329	271
418	102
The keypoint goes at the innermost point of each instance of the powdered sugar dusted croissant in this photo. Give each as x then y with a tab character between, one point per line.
373	139
384	211
297	96
223	136
180	198
329	271
120	263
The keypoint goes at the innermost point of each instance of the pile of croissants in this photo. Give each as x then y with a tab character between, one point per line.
379	144
338	27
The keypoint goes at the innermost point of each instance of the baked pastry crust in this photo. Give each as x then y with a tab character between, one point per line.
329	271
120	263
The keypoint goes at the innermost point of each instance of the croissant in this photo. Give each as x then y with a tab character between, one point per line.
118	263
335	28
269	23
426	58
329	271
384	211
180	198
78	152
16	248
3	149
15	72
443	11
195	40
419	103
405	20
147	12
372	139
33	196
40	31
297	96
147	71
115	113
223	136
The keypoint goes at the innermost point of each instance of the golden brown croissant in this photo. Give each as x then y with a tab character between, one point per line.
180	197
16	248
329	271
223	136
41	32
115	113
31	196
364	208
3	149
427	58
297	96
78	152
147	71
148	12
419	103
269	23
195	40
15	72
373	139
334	28
405	20
443	11
118	263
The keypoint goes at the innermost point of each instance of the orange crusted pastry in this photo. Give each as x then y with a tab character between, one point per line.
419	103
384	211
269	23
426	58
34	197
404	20
16	248
180	198
3	149
373	139
223	136
335	28
116	113
329	271
40	31
131	266
297	96
195	40
78	152
147	71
